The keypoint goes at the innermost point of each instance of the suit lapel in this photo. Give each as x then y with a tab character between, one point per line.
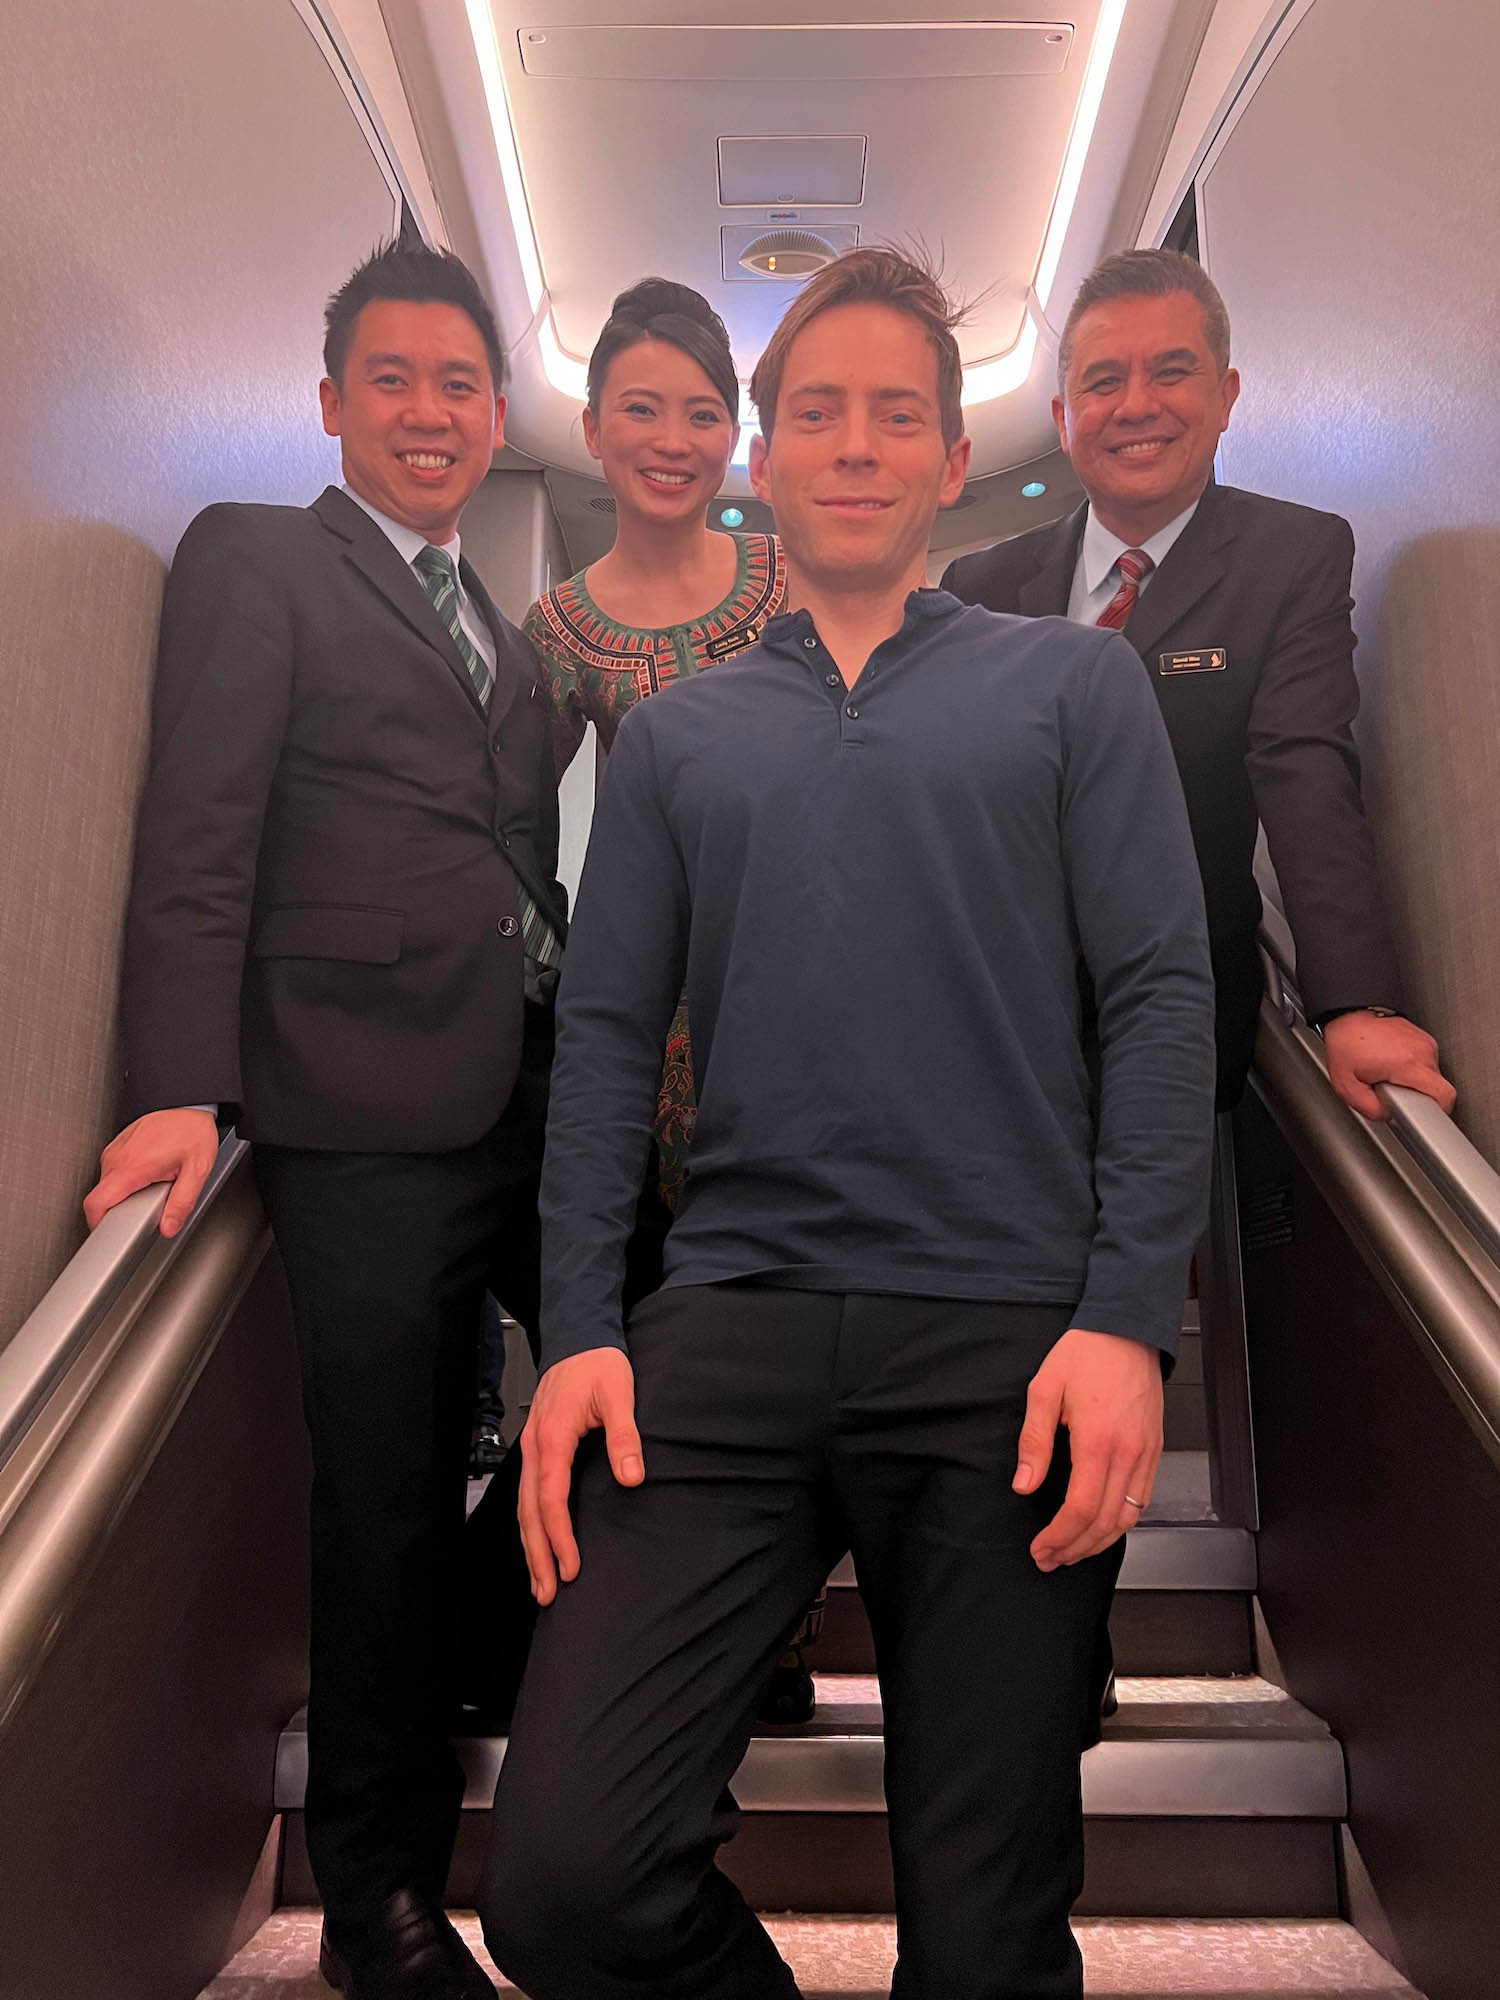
1046	594
371	551
515	680
1192	566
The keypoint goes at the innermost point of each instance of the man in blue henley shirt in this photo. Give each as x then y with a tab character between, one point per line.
930	1255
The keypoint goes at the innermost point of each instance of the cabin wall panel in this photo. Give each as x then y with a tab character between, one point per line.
1352	220
184	185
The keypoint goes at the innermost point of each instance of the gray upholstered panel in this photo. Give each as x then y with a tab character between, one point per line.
1353	223
1436	771
184	184
78	609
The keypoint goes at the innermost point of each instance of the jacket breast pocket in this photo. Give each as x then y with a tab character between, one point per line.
355	932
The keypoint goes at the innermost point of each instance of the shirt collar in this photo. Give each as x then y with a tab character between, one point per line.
1102	550
406	541
927	603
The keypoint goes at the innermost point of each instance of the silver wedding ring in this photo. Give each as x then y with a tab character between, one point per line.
1139	1505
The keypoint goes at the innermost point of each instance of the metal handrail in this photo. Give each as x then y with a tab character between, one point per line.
133	1363
1433	1254
46	1343
1465	1177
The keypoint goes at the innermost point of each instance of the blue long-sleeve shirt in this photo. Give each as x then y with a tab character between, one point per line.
886	904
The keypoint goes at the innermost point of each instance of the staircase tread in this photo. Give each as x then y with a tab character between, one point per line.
850	1957
849	1705
1232	1706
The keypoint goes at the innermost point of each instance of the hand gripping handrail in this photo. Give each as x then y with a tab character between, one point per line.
1421	1201
1460	1170
45	1344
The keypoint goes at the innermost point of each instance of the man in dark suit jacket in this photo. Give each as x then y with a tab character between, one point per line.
342	935
1239	608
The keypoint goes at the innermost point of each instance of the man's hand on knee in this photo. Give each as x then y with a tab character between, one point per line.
591	1391
176	1146
1108	1392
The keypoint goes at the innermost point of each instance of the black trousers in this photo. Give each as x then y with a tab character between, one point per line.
782	1428
388	1258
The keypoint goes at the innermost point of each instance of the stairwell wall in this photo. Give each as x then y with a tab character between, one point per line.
184	185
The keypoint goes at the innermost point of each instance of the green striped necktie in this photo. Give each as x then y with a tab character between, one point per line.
439	580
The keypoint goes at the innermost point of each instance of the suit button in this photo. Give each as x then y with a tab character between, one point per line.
507	927
498	745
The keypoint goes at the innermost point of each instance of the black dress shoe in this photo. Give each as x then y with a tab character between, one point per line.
487	1440
409	1951
789	1695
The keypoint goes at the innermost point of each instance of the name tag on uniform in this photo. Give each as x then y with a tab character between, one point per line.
736	641
1209	660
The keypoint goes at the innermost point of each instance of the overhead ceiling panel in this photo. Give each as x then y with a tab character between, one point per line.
826	171
570	186
850	52
621	130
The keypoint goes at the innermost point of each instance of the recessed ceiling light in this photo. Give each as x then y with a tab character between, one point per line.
787	253
1033	489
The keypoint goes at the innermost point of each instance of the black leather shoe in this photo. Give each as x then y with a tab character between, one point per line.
789	1695
409	1951
487	1441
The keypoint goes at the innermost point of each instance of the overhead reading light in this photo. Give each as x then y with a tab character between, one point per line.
787	253
731	517
983	381
1033	489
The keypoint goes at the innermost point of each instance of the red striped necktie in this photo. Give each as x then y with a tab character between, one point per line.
1132	564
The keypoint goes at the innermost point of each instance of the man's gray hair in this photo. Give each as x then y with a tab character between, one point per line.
1147	274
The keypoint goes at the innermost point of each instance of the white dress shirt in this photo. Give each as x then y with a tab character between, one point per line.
1095	578
408	544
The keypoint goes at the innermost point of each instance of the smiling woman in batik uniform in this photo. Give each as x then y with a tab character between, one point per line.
673	597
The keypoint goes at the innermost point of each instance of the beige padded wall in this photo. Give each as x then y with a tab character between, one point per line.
1353	223
78	610
183	184
1437	775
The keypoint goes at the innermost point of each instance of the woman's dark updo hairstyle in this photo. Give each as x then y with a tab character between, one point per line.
657	309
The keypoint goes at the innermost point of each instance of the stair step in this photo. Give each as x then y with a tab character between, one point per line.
1205	1750
1183	1602
850	1957
1163	1555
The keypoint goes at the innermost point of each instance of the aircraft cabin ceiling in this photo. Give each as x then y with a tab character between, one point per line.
577	145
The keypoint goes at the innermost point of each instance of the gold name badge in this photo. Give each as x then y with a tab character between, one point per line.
1210	660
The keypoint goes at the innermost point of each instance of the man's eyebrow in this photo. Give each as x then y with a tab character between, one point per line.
458	366
1108	366
895	393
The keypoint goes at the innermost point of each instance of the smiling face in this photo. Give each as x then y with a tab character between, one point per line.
661	433
855	466
416	413
1143	408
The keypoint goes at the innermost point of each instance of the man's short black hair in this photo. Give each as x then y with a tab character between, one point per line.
425	277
